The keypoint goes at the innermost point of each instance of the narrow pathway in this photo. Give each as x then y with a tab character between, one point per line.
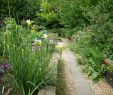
81	84
75	79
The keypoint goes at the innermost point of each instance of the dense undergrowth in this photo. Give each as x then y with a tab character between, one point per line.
93	43
89	55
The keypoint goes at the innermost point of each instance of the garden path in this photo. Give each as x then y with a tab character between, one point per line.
79	82
83	85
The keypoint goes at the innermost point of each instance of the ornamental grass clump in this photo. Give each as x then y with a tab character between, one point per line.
30	69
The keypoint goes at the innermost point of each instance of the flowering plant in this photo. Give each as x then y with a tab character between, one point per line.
30	69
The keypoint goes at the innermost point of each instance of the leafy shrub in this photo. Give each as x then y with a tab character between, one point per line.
89	55
48	15
101	26
94	43
30	69
73	15
18	9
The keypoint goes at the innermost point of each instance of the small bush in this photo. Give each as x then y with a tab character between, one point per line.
48	15
89	55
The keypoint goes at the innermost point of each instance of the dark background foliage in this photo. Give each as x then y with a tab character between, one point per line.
18	9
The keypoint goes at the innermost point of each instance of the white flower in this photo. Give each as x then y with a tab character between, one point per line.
45	36
29	22
60	45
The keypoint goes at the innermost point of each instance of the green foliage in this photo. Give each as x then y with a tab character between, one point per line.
94	42
89	55
18	9
73	15
48	13
101	26
30	69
